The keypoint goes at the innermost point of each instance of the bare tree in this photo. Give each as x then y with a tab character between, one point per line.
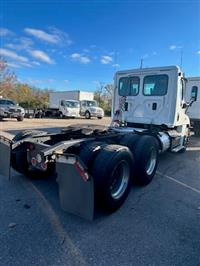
7	79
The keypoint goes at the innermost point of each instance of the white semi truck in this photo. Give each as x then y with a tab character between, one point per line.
193	88
96	165
73	104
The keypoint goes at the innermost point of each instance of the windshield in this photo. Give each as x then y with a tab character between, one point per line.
7	102
92	104
72	104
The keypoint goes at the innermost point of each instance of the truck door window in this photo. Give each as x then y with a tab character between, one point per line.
155	85
129	86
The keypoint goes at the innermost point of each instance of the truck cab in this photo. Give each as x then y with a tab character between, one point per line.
152	99
89	108
69	108
151	96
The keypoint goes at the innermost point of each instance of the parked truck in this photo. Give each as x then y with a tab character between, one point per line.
193	88
10	109
96	165
73	104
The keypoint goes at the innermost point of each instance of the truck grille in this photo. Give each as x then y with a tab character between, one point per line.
13	110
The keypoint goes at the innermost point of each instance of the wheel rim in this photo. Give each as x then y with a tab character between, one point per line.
87	115
151	163
120	178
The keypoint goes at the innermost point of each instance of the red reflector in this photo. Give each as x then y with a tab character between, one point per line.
33	161
44	166
81	171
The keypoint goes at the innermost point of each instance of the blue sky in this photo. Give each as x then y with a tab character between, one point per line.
78	44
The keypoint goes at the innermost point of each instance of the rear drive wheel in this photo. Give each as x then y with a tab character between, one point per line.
87	115
146	156
89	152
20	118
112	170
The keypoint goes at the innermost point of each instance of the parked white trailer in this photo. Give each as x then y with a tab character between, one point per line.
193	87
97	164
74	104
56	97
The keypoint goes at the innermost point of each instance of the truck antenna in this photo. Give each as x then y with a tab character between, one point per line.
181	58
141	62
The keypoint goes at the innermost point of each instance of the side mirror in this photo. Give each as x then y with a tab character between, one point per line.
194	94
194	97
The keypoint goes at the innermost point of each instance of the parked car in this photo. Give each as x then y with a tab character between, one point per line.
10	109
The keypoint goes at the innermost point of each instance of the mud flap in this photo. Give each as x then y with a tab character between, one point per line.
5	156
76	191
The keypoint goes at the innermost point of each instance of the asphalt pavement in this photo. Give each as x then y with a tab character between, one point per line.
158	224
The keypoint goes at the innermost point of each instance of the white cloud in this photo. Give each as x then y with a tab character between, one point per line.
13	65
55	36
80	58
66	81
25	64
10	54
198	52
116	65
39	81
106	59
5	32
35	63
42	56
145	56
40	34
174	47
22	44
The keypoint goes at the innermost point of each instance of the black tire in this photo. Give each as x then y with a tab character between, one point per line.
89	152
27	133
87	115
130	140
146	157
20	118
112	170
99	117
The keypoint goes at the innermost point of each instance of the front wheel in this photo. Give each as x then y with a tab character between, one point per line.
87	115
112	172
20	118
99	117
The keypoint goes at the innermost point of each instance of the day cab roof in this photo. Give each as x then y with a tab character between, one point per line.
193	78
141	71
